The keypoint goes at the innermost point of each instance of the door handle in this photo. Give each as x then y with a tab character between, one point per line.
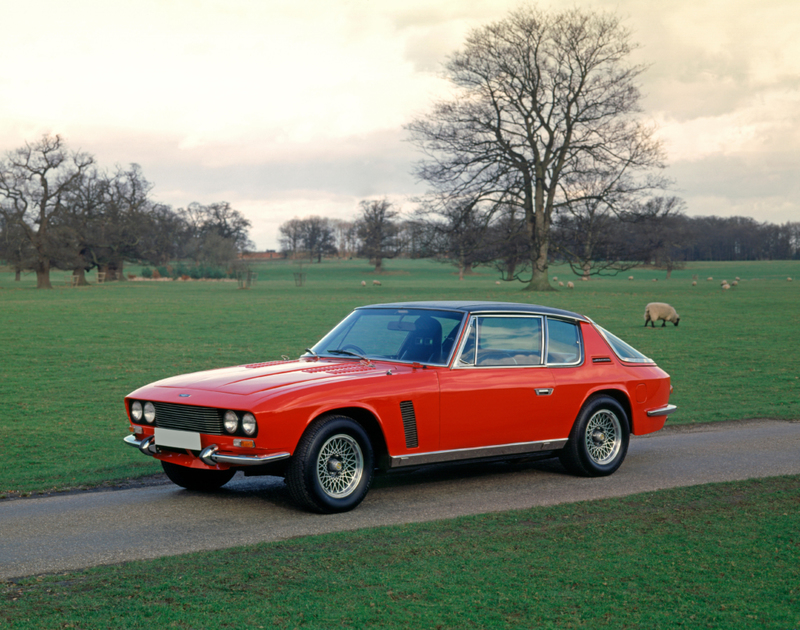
544	391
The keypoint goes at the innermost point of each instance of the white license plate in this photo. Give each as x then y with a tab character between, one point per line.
177	439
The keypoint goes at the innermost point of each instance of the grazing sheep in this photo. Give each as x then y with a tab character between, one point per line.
710	278
735	283
584	279
788	279
737	278
630	277
660	310
723	282
561	284
376	283
655	279
555	278
725	287
363	283
497	282
570	285
694	283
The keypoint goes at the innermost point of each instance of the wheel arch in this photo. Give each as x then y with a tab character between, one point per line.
621	397
369	421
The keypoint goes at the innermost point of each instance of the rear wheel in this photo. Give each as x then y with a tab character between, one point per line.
599	439
196	478
331	469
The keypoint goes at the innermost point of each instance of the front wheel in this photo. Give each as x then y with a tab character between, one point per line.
599	439
196	478
331	469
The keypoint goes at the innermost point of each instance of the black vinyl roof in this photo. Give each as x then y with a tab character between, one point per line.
483	307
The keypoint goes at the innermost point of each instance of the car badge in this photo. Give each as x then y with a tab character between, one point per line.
184	395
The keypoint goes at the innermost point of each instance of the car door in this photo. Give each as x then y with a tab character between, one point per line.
498	390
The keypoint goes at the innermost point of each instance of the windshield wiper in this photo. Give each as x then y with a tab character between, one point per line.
310	351
352	354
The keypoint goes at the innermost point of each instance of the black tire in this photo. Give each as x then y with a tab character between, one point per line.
599	439
331	469
196	478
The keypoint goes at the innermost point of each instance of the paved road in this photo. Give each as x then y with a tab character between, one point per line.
60	533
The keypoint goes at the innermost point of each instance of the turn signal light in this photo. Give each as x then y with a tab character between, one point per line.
245	443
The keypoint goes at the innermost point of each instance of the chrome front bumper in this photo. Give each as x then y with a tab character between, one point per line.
210	454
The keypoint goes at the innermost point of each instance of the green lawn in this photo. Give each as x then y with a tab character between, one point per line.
69	356
721	556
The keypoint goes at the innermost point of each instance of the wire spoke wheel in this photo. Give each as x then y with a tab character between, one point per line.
340	465
603	436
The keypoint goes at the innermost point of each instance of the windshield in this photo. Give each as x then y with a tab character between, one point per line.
399	334
622	349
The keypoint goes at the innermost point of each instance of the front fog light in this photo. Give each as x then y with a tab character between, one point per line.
231	421
149	412
249	423
136	410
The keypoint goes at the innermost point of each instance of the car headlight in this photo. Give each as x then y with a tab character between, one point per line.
231	421
249	424
136	410
149	412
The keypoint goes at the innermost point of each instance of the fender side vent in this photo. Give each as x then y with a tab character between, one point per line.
409	423
601	360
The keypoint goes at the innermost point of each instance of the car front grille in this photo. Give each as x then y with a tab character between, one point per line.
189	418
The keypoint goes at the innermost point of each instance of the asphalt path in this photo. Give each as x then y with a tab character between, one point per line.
73	531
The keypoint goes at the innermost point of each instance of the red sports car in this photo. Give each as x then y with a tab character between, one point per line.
407	384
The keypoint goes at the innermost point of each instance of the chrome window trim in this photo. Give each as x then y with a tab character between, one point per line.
465	335
581	353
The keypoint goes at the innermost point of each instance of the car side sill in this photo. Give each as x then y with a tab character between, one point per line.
418	459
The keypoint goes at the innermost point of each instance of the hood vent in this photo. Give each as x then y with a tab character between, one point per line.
335	369
409	423
266	364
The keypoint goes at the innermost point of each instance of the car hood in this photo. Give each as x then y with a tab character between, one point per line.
259	377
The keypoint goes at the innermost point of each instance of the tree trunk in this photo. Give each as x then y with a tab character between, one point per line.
17	274
43	275
81	273
379	265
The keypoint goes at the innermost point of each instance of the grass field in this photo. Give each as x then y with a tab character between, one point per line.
723	556
69	356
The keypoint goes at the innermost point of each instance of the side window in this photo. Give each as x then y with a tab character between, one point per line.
563	342
503	340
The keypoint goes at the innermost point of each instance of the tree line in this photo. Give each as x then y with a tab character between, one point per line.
60	210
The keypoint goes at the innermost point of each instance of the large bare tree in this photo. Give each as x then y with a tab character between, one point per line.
35	181
543	102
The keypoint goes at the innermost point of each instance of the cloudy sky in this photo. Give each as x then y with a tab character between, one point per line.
291	109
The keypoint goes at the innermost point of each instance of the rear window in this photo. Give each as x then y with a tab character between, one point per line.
624	351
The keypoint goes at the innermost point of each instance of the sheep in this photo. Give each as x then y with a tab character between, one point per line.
735	283
710	278
725	287
694	283
570	285
788	279
363	283
630	277
655	279
376	283
561	284
584	279
497	282
555	278
660	310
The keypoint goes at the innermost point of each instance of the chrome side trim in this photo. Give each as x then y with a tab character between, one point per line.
662	411
544	391
417	459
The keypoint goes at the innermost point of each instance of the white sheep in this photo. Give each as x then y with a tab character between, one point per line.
497	282
376	283
788	279
363	283
710	278
630	277
570	285
725	287
735	283
555	278
584	279
660	310
561	284
694	283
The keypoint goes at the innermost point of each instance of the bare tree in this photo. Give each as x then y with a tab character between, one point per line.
34	181
291	236
544	101
378	231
